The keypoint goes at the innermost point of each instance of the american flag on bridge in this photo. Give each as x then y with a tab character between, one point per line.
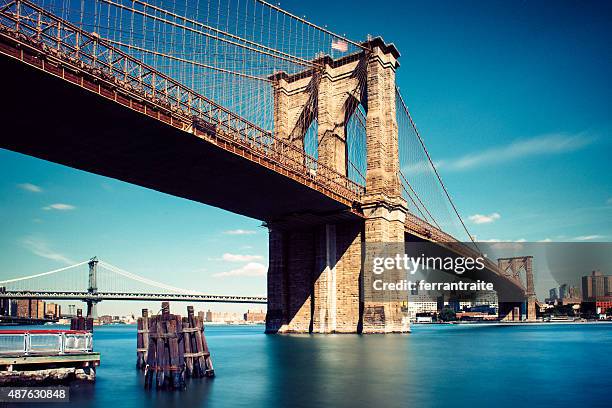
339	45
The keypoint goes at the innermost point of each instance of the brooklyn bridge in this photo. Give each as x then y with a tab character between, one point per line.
249	108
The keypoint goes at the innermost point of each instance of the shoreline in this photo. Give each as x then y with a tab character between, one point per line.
500	323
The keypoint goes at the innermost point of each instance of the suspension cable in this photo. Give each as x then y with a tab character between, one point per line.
43	274
301	20
419	199
199	64
289	58
141	279
416	131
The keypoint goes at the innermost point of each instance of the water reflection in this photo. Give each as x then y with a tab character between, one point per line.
435	366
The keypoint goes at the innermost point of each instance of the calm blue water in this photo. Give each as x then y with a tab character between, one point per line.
435	366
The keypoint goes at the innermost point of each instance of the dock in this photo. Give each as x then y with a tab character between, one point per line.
46	356
24	321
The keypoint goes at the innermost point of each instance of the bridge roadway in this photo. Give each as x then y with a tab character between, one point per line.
99	296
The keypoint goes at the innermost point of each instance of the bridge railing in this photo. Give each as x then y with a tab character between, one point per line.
85	51
45	342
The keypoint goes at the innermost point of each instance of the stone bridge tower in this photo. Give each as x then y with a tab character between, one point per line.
315	276
512	269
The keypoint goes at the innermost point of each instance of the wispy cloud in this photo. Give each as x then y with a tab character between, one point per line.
547	144
41	248
251	269
240	257
32	188
59	207
239	232
609	201
484	219
545	240
588	237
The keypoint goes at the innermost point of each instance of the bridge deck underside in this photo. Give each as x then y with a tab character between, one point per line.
49	118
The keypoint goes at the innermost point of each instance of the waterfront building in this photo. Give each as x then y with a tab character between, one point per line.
421	303
487	298
596	294
222	317
255	316
460	304
465	304
603	304
552	295
106	319
53	311
596	285
31	308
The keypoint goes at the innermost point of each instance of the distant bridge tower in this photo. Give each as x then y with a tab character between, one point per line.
92	287
315	280
512	268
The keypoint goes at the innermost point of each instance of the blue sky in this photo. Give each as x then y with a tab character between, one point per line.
513	100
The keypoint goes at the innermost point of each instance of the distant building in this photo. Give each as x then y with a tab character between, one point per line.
486	309
53	311
222	317
31	308
563	293
486	298
421	303
574	292
460	304
552	294
474	316
254	316
71	311
5	304
603	305
106	319
596	285
596	293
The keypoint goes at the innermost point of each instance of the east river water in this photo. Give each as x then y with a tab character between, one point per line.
547	365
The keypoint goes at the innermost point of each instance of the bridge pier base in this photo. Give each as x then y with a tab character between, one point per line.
313	279
509	311
316	279
384	226
531	308
512	268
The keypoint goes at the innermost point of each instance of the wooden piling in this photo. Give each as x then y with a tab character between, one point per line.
81	323
142	340
176	348
187	330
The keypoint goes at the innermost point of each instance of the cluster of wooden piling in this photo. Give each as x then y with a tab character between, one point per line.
171	347
81	323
